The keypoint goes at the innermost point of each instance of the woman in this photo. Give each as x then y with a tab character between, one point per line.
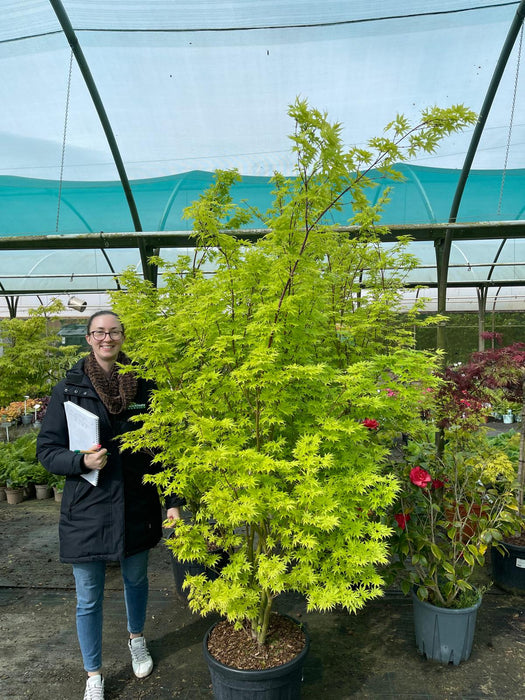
118	519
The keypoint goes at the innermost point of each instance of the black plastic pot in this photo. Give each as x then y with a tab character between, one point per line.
193	568
508	570
278	683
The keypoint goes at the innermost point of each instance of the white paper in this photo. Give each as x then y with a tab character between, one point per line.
83	430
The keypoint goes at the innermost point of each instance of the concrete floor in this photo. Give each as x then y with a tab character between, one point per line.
368	655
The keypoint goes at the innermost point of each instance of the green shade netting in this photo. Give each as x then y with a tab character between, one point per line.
31	206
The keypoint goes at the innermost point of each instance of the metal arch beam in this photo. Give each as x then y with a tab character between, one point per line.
469	231
170	202
107	241
424	197
63	18
443	248
61	286
11	301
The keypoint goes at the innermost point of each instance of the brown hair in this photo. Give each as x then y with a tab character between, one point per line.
102	313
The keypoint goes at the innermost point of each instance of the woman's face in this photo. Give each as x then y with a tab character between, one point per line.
107	348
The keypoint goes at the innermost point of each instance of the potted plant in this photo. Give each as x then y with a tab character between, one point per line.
19	460
27	417
57	483
284	371
9	460
13	412
451	508
40	477
17	481
498	375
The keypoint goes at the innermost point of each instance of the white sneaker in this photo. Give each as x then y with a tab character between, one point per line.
94	688
140	657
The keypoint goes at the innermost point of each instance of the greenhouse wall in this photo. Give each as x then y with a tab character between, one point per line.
463	332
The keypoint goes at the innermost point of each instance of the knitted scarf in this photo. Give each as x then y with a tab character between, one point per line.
117	391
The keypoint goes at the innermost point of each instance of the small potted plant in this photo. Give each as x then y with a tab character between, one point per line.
13	411
450	509
26	416
40	477
19	457
18	478
57	483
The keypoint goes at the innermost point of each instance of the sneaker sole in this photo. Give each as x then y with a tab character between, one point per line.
143	675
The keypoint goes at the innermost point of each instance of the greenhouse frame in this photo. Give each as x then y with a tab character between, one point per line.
116	115
262	349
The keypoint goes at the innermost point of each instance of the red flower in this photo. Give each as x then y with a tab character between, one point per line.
420	477
437	483
371	424
402	519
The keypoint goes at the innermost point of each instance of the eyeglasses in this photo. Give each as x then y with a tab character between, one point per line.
101	335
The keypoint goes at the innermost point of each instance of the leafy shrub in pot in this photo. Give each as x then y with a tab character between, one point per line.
281	383
450	509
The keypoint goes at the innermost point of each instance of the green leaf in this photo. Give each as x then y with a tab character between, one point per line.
436	551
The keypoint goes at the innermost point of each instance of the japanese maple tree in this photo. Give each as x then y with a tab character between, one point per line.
284	371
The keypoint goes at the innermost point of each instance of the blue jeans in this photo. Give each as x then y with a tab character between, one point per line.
90	579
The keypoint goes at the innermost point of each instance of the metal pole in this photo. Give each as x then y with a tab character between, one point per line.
69	32
443	250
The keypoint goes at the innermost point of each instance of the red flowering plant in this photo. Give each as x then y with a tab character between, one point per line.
449	510
493	376
500	373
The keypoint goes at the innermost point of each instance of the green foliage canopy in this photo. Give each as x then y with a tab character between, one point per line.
284	372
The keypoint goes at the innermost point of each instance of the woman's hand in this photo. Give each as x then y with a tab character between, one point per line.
173	514
96	459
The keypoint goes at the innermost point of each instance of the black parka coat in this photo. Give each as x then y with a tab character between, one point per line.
120	516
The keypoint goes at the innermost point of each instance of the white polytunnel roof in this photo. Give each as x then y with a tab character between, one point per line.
158	94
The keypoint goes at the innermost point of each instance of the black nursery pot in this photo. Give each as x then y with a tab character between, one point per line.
277	683
508	570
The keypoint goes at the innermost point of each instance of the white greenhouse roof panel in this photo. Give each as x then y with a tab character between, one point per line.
206	85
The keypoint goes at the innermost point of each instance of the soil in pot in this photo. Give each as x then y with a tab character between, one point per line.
517	540
238	649
272	673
